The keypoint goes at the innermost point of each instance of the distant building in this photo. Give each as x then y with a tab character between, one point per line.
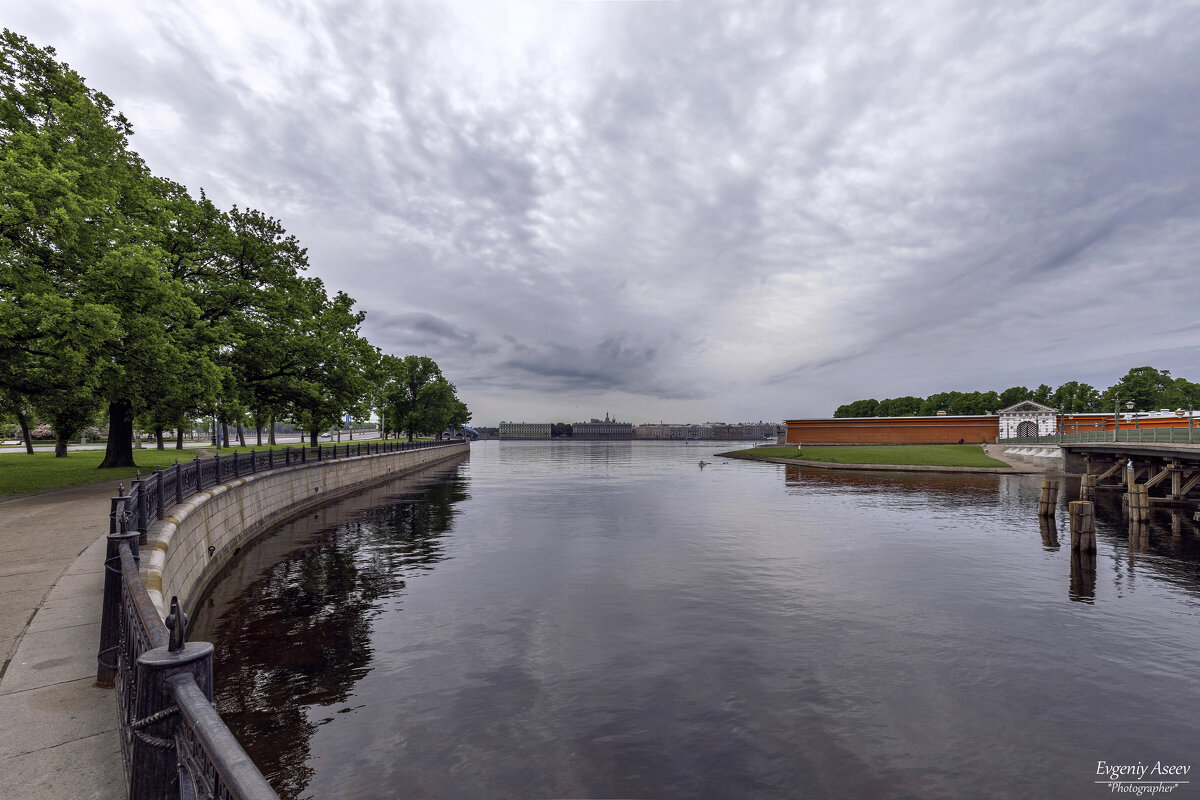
652	431
602	430
524	430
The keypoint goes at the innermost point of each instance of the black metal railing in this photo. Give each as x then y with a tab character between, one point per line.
173	742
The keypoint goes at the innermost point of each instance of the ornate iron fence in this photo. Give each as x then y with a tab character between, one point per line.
173	742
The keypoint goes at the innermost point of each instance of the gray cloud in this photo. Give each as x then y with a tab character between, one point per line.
699	210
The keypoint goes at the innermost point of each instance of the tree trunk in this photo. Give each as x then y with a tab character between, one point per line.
271	435
312	437
241	432
23	421
258	435
179	438
223	435
158	437
60	447
119	452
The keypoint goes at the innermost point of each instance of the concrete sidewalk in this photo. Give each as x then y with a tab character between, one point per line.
59	730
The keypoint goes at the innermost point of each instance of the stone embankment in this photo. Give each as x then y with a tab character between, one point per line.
61	736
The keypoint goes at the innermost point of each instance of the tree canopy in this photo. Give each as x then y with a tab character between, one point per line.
1148	388
122	293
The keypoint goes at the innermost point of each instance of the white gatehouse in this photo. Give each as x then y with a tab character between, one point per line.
1027	418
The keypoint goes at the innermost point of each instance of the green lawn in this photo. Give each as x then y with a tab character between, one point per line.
20	472
928	455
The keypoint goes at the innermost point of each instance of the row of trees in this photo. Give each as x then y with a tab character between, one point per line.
122	294
1148	388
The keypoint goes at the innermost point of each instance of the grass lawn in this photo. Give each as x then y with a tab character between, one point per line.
21	472
928	455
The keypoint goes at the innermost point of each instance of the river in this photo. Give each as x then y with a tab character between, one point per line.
613	619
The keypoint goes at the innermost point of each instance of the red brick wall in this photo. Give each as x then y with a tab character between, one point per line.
893	430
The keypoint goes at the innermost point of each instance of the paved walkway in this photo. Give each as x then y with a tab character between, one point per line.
60	730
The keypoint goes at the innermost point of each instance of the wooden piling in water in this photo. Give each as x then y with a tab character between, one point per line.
1139	503
1083	526
1048	499
1087	488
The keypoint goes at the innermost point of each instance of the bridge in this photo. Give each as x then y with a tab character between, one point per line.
1166	461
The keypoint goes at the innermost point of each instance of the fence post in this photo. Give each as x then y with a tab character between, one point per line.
137	493
110	614
303	455
178	482
160	493
237	469
318	451
153	766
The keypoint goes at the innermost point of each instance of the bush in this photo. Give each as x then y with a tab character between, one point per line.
42	432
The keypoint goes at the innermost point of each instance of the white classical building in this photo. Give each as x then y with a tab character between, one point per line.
1028	418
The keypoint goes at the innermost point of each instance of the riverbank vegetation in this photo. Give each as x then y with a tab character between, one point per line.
925	455
126	298
1147	388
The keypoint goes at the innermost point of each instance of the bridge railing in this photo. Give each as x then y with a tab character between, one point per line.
173	742
1161	435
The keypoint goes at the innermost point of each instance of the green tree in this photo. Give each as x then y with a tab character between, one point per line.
1013	395
418	397
1075	397
1148	388
907	406
76	237
859	408
333	363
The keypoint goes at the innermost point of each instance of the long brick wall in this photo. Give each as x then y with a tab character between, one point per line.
189	547
893	430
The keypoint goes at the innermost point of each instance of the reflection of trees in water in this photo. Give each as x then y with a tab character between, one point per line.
299	634
1167	549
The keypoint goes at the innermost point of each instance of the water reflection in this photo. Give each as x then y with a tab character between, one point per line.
1083	577
297	635
608	619
1049	529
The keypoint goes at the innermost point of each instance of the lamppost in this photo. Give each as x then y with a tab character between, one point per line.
1129	407
1116	415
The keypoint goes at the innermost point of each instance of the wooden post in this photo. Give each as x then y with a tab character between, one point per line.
1087	488
1139	503
1048	499
1083	526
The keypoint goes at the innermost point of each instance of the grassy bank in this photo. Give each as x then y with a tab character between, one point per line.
924	455
21	472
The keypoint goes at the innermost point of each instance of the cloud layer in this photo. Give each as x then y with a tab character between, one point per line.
695	211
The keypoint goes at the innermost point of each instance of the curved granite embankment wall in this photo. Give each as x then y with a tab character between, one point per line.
187	549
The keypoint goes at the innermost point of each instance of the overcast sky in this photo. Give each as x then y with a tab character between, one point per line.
692	211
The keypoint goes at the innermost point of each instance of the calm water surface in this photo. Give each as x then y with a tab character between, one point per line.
613	620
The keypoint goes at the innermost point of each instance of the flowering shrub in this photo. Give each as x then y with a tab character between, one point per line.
42	432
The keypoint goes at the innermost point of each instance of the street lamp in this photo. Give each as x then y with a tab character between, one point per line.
1116	415
1129	407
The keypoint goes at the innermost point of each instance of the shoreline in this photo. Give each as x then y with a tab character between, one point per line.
1013	469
